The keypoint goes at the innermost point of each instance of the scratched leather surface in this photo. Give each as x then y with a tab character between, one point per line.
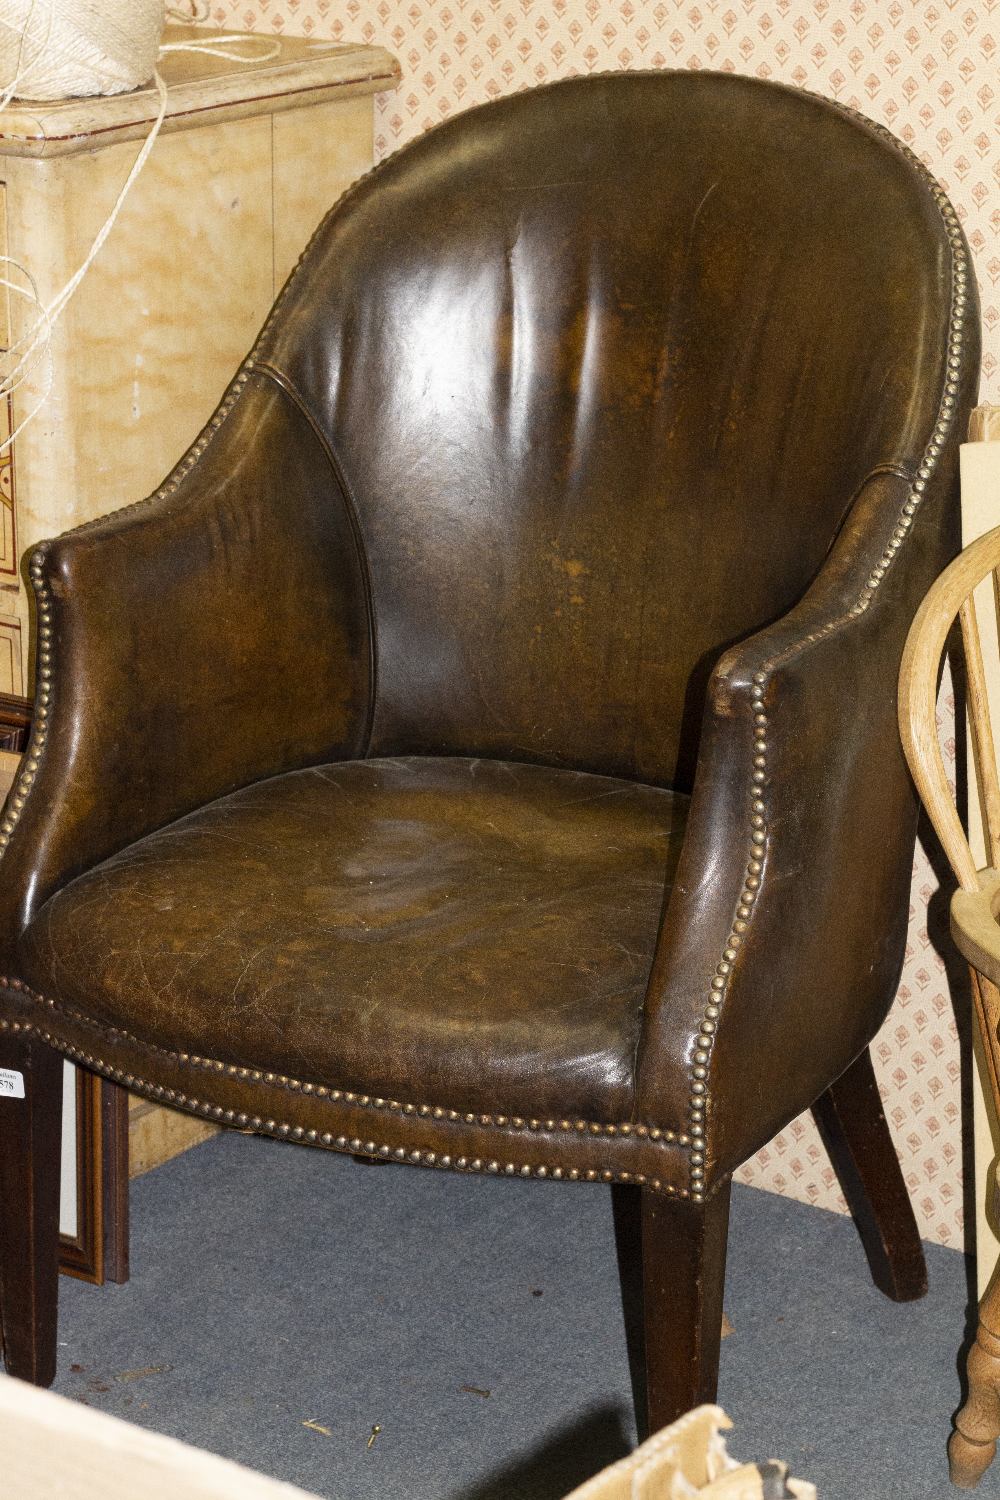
583	397
482	930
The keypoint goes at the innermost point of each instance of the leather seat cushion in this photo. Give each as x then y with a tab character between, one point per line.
471	933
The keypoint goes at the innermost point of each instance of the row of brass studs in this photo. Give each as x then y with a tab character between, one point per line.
30	761
355	1144
758	812
28	769
372	1101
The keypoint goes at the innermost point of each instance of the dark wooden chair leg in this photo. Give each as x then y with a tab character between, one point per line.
626	1206
30	1140
684	1275
856	1135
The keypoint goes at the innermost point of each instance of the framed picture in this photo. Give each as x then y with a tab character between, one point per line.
93	1199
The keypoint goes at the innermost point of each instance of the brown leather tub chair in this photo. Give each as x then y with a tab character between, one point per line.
481	752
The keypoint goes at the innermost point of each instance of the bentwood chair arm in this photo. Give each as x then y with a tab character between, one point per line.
950	598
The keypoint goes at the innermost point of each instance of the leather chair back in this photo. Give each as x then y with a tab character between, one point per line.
602	367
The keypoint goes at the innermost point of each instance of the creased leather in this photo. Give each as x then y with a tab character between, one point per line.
597	403
818	965
480	929
211	636
604	365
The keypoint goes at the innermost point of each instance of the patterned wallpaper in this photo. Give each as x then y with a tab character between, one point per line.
928	71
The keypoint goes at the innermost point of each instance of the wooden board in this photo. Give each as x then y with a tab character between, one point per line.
157	1134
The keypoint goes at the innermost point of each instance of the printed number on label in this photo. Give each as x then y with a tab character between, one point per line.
11	1084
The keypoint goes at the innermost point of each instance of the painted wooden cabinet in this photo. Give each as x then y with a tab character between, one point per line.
249	158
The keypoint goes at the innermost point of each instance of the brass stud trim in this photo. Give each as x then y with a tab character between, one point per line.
44	670
759	837
418	1156
376	1104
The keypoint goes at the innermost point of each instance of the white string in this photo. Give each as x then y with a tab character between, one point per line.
213	46
199	12
34	345
43	352
36	341
22	69
30	358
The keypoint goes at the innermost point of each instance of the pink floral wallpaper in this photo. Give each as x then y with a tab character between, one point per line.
931	72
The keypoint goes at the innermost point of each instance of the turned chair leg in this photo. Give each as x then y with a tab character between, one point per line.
30	1139
684	1274
856	1135
973	1444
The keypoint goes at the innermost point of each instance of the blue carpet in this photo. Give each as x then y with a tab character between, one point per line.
478	1325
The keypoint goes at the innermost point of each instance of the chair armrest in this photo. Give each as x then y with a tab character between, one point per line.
781	946
208	637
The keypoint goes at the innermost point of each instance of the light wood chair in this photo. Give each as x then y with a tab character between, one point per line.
975	906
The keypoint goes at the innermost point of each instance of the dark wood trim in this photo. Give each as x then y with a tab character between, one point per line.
15	723
81	1254
856	1135
115	1176
29	1191
98	1252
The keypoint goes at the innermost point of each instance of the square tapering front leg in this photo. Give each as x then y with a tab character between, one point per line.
684	1277
30	1139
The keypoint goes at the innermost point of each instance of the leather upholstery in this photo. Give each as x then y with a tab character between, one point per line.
611	428
481	929
604	368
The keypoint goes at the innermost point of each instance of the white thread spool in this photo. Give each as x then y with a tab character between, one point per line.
54	49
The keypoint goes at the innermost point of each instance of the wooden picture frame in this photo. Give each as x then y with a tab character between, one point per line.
15	723
97	1165
98	1251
